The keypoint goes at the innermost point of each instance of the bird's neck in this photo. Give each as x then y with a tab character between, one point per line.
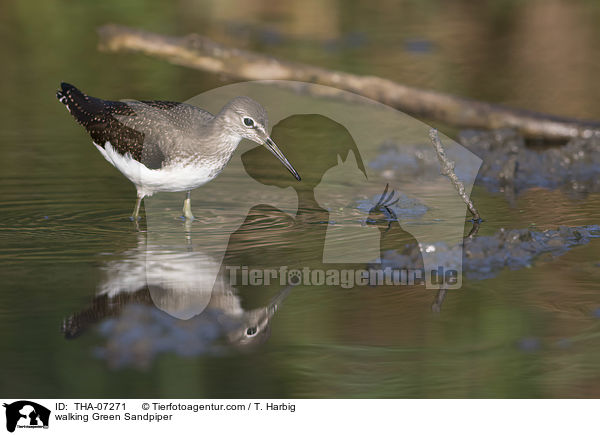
225	140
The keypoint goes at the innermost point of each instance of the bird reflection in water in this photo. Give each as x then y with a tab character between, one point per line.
159	300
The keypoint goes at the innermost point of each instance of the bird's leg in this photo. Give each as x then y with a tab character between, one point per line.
187	207
188	234
136	211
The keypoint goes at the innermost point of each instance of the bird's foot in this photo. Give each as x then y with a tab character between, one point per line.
187	210
136	221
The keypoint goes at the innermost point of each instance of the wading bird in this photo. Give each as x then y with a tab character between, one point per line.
164	146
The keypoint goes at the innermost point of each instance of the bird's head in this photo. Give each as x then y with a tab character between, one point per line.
246	118
255	327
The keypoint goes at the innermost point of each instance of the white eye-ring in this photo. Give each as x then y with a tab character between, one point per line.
248	122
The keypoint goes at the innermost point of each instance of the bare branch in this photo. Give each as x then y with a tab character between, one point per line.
447	169
436	307
201	53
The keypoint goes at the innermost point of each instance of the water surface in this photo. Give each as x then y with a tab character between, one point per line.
64	232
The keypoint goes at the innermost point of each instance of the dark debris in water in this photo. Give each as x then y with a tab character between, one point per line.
141	333
404	207
409	162
508	163
518	248
485	256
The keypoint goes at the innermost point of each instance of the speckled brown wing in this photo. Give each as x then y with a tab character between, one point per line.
115	122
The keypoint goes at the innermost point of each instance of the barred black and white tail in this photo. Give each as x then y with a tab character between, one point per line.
62	95
83	107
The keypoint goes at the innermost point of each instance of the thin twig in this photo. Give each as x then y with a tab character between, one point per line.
436	307
202	53
447	169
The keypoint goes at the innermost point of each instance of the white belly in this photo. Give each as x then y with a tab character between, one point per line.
149	181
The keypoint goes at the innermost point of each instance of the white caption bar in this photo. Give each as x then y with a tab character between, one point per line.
155	416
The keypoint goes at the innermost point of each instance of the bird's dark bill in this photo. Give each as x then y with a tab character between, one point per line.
277	152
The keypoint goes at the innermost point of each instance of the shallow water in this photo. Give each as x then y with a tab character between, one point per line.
65	240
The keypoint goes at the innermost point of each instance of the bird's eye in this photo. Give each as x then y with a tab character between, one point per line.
251	331
249	122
